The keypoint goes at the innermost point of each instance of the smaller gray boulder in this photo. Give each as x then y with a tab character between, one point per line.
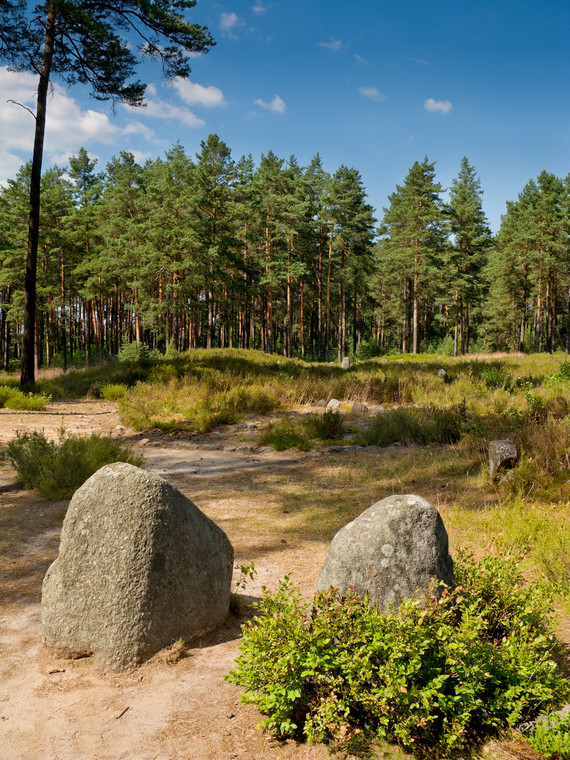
359	409
334	403
503	455
345	364
441	373
395	549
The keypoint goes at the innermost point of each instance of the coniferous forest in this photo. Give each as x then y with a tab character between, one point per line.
209	251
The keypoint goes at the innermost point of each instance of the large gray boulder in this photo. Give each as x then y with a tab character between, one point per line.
395	549
139	567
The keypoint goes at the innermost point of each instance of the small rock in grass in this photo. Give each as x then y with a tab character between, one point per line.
503	455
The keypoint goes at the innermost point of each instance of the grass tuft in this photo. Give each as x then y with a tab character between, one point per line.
57	469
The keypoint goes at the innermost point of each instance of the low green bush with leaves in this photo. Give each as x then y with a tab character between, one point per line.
439	674
56	469
552	737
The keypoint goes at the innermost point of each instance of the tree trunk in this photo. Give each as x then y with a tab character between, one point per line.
302	315
328	305
27	376
538	317
416	312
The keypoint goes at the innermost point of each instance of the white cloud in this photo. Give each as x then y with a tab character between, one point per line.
17	123
138	128
444	106
229	22
197	94
372	92
9	165
259	9
332	44
360	59
140	156
161	109
420	61
69	125
277	105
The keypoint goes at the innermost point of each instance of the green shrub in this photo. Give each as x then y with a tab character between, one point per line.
113	391
57	469
327	426
411	425
552	737
287	434
5	393
17	399
438	673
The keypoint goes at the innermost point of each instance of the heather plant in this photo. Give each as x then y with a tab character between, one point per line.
286	434
56	469
438	674
425	425
14	398
113	391
327	426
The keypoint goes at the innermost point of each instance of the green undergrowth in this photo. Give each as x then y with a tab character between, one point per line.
437	676
302	433
12	397
552	737
56	469
423	426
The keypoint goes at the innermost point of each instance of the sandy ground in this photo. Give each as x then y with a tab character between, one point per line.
168	708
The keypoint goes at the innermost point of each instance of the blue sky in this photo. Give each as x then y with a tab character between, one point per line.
375	86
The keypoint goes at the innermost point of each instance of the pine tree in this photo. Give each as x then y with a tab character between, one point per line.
414	238
468	254
212	220
353	222
87	187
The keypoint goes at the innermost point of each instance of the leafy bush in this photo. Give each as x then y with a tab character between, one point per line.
438	673
57	469
411	425
552	737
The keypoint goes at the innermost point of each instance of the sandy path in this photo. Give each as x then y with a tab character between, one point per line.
53	709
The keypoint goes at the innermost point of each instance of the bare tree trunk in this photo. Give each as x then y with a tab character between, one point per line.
302	315
416	310
28	376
